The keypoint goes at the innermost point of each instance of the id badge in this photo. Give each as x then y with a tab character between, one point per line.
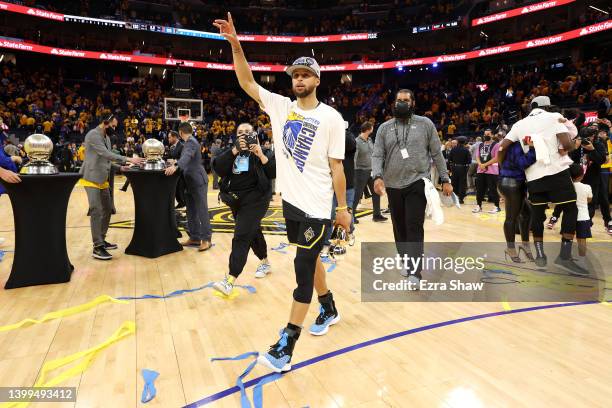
242	164
404	153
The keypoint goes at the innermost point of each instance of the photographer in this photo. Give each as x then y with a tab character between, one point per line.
592	154
246	174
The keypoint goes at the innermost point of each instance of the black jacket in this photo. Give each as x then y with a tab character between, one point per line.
174	152
596	158
350	147
223	163
459	156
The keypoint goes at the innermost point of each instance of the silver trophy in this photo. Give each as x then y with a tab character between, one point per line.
38	148
153	151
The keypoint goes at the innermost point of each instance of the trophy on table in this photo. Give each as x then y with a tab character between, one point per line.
38	148
153	151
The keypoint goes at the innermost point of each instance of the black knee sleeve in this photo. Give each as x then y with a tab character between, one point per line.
305	263
570	215
538	216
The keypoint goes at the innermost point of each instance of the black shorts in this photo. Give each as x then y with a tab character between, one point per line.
556	189
583	229
302	231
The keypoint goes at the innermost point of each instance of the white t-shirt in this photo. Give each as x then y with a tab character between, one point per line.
543	128
583	193
305	141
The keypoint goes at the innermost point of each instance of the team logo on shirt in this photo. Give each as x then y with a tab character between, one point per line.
298	136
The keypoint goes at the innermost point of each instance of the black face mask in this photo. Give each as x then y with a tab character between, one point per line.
403	110
487	138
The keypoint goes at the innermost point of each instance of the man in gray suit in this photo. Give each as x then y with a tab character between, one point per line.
96	171
196	182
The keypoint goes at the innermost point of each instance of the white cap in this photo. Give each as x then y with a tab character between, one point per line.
541	101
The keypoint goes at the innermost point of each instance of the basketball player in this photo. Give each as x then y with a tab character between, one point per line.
310	150
548	179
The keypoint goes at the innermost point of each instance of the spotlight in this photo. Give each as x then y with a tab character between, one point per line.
600	10
435	65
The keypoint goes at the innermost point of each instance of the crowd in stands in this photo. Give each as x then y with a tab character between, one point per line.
272	18
40	102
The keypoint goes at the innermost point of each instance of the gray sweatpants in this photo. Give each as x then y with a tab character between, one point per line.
100	208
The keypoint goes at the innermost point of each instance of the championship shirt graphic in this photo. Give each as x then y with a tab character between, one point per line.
298	136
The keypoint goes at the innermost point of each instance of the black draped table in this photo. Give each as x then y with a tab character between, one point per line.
40	203
155	229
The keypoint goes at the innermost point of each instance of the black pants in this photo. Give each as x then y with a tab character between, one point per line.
459	180
407	207
180	192
518	212
484	183
247	233
568	223
362	178
215	178
600	199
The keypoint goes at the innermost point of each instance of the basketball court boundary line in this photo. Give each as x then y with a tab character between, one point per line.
232	390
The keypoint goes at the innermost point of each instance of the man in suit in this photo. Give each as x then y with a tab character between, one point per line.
174	153
196	181
215	150
96	170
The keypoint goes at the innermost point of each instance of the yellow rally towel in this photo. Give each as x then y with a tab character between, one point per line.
87	183
127	328
63	312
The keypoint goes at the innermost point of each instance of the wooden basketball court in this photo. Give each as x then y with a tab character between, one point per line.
444	354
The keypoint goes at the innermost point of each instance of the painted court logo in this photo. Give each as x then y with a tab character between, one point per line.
298	135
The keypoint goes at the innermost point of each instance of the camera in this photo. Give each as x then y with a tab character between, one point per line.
251	138
586	133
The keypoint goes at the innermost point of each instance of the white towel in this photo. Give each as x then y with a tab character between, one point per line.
434	208
541	149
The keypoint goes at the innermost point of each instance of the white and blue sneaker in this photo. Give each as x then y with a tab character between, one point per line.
263	269
328	316
278	358
224	286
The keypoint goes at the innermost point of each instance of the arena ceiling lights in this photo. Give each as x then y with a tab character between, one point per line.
532	8
19	45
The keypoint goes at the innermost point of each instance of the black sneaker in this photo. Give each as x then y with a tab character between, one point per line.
540	261
570	266
380	218
328	315
278	358
101	253
386	211
108	245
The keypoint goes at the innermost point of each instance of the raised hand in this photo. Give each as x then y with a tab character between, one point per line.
227	30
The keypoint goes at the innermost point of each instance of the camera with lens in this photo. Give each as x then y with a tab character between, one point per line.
587	133
251	138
